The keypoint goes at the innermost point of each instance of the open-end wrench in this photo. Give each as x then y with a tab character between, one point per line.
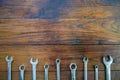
107	64
22	69
9	62
85	60
96	72
34	64
58	68
46	67
73	68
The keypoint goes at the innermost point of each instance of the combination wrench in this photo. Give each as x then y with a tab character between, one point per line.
22	69
34	64
46	68
107	64
73	68
96	72
9	62
58	68
85	60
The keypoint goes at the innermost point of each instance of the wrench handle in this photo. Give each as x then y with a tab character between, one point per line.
73	73
85	71
9	70
34	72
46	74
21	74
108	73
58	71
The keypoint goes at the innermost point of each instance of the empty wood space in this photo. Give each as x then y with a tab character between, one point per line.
65	29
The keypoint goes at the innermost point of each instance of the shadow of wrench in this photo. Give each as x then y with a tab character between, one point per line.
107	64
9	61
34	64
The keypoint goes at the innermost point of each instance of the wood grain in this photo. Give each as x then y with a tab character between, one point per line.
65	75
67	54
84	31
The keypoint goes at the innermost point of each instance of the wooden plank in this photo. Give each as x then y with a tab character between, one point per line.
48	12
65	75
84	31
67	54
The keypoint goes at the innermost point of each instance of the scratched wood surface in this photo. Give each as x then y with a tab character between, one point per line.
68	29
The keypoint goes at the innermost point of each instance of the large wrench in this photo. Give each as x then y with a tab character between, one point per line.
22	69
58	68
73	68
85	60
46	67
107	64
9	62
34	64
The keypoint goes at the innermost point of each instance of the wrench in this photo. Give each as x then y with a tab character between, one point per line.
46	67
34	64
85	60
58	68
107	64
96	72
22	69
9	62
73	68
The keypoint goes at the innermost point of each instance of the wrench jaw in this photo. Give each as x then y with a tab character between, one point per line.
46	66
34	62
57	60
73	66
85	59
22	67
9	59
108	62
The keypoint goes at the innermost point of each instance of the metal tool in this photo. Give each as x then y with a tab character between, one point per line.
73	68
46	67
85	60
96	72
58	68
22	69
9	62
107	64
34	64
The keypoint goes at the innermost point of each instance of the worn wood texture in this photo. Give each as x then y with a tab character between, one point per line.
68	29
82	31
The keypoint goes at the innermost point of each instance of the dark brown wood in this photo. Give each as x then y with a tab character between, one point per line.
82	31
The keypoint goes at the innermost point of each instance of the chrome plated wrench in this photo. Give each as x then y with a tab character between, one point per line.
107	64
34	64
73	68
96	72
9	62
85	60
46	67
22	69
58	68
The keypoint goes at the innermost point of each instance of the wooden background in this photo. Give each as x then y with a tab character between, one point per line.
65	29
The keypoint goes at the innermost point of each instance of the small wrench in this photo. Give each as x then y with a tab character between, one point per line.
22	69
34	64
9	62
73	68
85	60
107	64
58	68
46	67
96	72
